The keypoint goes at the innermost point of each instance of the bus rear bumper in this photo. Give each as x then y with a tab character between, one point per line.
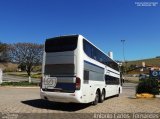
61	97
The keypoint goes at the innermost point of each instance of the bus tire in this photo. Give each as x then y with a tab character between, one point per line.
102	97
96	100
118	93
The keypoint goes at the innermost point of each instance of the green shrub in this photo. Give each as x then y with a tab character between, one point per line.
148	86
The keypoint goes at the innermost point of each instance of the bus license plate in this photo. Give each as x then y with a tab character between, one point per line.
50	82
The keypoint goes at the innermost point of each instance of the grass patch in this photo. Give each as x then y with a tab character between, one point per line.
24	74
23	83
37	75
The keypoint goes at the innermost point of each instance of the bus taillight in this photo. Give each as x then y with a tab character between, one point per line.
78	83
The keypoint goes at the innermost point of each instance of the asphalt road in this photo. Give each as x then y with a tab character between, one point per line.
26	103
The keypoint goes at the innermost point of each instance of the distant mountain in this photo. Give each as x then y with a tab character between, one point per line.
137	67
148	62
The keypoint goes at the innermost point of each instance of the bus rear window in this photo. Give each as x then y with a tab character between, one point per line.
61	44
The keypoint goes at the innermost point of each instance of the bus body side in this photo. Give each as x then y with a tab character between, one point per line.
112	88
96	80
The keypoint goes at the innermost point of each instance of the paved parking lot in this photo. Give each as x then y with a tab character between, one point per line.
27	100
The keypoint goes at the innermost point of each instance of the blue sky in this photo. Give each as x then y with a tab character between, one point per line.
103	22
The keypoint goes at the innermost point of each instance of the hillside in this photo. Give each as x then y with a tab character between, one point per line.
134	67
7	66
150	62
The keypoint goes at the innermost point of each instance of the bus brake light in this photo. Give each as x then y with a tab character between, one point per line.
78	83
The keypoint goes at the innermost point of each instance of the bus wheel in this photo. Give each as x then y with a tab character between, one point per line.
96	100
102	96
118	93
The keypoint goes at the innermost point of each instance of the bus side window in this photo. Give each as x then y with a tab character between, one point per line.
106	79
87	48
86	76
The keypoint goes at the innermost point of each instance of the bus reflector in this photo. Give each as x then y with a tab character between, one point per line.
78	83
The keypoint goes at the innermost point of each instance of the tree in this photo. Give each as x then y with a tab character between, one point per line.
3	52
26	54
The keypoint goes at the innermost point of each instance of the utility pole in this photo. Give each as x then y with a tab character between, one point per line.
124	61
123	50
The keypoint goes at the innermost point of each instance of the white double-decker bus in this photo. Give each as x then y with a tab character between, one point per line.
75	70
